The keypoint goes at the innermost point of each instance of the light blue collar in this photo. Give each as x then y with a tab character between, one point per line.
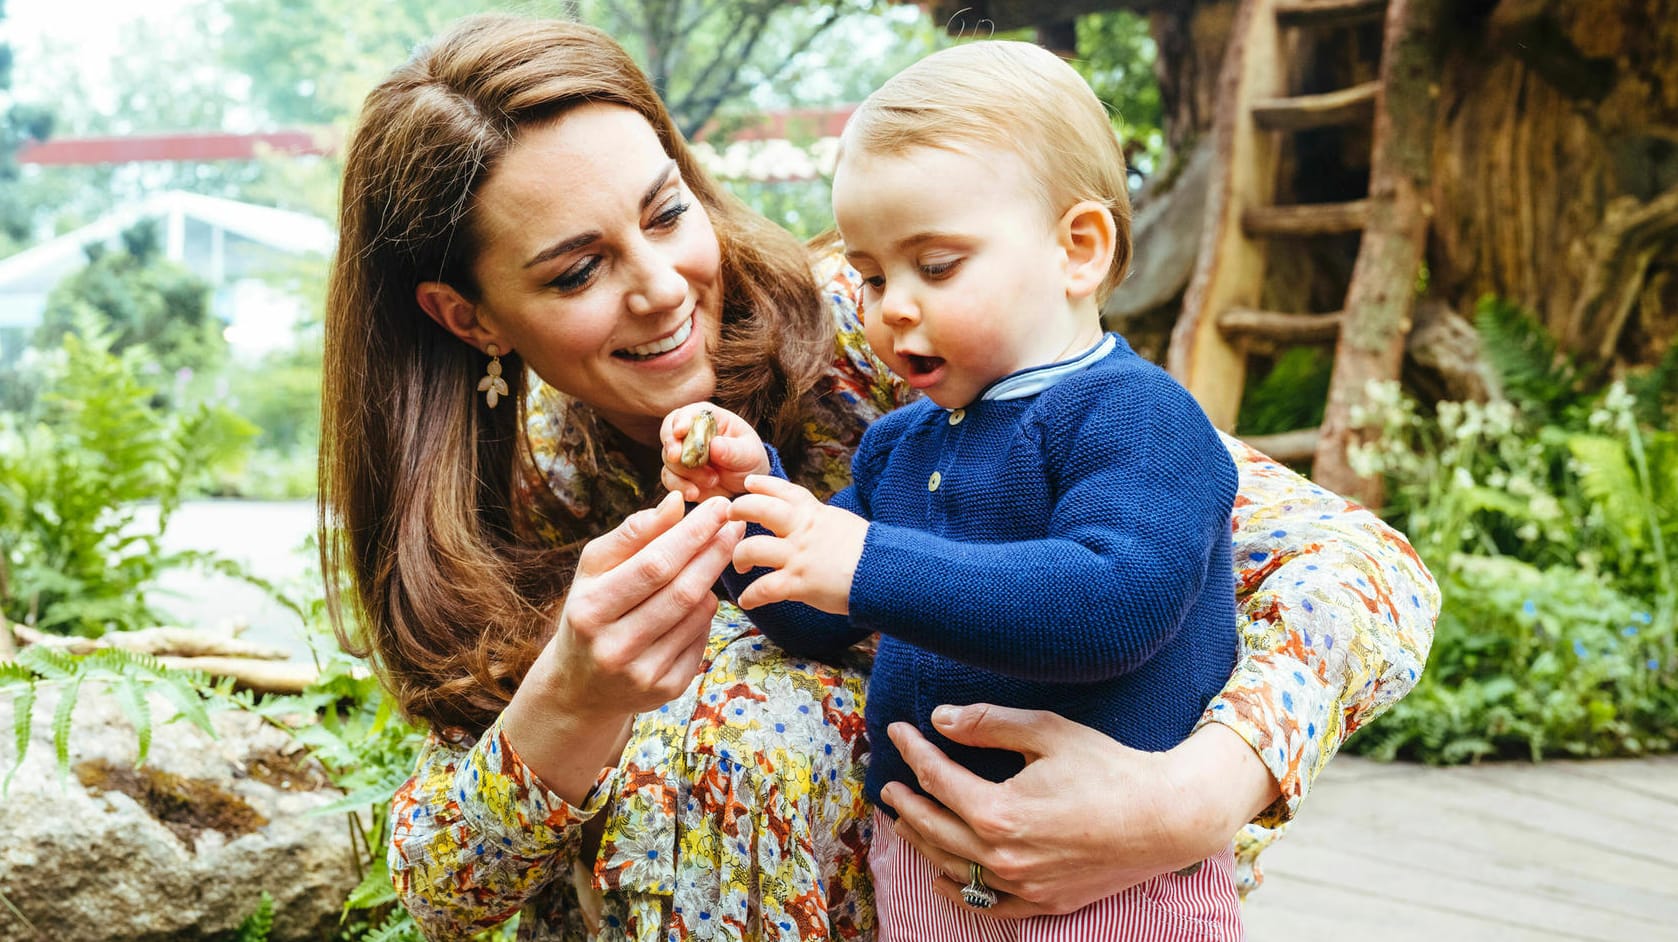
1033	380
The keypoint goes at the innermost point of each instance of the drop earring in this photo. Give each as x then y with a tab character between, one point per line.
492	385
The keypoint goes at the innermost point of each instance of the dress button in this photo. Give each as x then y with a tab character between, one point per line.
932	482
957	415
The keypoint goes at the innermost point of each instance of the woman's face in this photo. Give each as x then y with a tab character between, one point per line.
600	267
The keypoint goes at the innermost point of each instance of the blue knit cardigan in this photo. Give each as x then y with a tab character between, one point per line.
1066	551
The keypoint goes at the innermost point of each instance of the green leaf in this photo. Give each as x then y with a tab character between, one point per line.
359	799
375	889
132	697
61	725
257	926
23	720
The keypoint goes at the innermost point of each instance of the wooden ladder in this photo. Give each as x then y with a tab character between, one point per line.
1222	319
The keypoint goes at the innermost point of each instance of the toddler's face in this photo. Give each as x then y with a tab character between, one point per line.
965	276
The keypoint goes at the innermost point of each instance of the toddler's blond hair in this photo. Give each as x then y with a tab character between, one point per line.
1015	95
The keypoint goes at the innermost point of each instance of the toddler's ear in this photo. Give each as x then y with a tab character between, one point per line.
1089	238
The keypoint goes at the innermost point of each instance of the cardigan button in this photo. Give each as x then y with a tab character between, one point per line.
957	415
933	482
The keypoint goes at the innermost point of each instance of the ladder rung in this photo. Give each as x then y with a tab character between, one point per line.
1328	12
1347	106
1279	328
1287	447
1307	219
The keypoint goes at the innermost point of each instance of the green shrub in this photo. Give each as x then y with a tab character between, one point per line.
1551	522
73	557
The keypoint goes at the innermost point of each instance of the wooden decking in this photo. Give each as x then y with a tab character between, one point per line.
1558	850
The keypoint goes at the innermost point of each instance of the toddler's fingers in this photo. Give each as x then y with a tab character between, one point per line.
775	587
772	486
761	550
771	512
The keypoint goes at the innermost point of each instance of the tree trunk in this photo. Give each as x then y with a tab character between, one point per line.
1554	162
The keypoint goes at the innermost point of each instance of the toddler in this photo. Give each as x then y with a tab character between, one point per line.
1048	526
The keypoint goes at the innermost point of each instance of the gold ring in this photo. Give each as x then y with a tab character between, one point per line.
976	894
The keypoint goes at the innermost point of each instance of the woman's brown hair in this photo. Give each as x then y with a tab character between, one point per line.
427	497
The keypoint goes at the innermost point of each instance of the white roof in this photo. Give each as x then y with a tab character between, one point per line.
26	278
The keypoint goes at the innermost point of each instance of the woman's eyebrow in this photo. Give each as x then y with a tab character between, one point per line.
663	178
578	241
560	248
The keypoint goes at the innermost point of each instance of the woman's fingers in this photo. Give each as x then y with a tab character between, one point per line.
988	726
611	548
964	796
612	591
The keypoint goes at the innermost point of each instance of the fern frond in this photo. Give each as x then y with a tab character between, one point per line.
61	725
12	673
184	691
1607	478
256	926
1535	375
397	927
132	697
1656	391
375	889
48	662
23	723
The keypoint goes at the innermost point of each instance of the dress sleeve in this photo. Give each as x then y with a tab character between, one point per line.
475	835
1335	613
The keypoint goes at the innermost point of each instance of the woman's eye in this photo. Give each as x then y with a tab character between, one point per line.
668	217
576	277
940	269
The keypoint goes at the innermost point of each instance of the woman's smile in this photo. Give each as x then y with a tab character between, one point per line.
663	345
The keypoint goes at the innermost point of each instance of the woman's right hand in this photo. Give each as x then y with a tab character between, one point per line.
631	637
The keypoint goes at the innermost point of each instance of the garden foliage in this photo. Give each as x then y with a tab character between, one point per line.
74	555
1550	518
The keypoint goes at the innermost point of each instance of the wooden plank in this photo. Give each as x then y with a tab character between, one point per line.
1496	851
1370	874
1326	13
1286	447
1330	911
1355	105
1652	776
1229	266
1607	797
1450	814
1279	328
1307	219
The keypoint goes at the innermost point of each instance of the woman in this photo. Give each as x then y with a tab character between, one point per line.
516	198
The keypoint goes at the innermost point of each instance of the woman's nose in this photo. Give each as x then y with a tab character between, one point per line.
657	286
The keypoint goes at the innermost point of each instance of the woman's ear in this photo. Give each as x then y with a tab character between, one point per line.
450	309
1089	238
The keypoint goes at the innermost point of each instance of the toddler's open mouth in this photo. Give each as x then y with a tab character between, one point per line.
921	366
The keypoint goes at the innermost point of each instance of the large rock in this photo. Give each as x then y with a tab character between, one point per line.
178	849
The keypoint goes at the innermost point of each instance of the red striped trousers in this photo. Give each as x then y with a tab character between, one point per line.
1202	907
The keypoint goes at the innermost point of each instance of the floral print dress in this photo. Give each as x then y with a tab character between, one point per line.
737	811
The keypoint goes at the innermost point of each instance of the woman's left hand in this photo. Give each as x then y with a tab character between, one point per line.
1086	818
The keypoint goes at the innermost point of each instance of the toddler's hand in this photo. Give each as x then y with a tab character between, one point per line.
716	468
814	551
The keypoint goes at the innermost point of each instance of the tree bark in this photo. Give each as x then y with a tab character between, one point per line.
1554	161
